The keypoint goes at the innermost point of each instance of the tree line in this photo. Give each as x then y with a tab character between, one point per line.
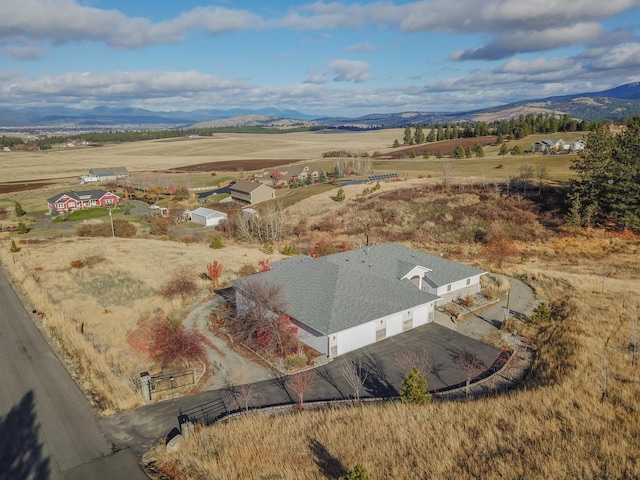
607	190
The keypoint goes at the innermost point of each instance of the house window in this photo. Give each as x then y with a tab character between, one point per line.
468	281
448	288
109	200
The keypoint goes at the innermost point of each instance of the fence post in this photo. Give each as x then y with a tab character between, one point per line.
145	378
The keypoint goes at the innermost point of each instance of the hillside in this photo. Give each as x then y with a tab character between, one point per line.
613	104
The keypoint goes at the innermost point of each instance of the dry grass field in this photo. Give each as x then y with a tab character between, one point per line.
556	426
90	310
63	163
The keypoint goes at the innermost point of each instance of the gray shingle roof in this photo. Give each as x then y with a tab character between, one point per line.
79	195
336	292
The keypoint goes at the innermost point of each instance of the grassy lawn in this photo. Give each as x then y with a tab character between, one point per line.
86	214
294	195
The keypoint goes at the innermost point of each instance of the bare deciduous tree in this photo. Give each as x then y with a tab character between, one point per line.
260	321
301	383
267	227
241	389
447	169
422	360
471	364
542	173
634	336
355	375
602	366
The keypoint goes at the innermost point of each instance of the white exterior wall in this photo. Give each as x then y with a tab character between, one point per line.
315	340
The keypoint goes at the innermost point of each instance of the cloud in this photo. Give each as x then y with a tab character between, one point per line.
532	41
22	52
512	25
360	47
349	70
538	65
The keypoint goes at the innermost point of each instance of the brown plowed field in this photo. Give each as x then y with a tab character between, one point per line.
233	165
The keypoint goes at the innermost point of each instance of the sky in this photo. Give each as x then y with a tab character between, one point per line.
343	58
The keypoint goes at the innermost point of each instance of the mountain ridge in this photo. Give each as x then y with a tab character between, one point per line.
612	104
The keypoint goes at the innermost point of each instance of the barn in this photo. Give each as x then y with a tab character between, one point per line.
348	300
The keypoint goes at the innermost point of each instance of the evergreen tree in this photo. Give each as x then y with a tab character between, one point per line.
408	136
426	155
609	176
418	136
458	152
396	143
340	196
18	210
338	173
432	135
478	150
414	388
504	149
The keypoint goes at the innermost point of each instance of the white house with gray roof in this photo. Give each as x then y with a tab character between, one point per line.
348	300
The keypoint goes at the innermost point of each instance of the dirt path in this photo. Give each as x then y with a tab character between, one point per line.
228	365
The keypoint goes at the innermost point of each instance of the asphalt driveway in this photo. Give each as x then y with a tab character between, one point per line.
139	429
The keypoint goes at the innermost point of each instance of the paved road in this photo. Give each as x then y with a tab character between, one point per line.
47	428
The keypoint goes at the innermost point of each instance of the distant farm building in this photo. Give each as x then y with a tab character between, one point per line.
107	174
76	200
207	217
249	192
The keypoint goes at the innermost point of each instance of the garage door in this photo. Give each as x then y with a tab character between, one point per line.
356	337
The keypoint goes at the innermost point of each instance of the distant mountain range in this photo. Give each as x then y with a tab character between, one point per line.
612	104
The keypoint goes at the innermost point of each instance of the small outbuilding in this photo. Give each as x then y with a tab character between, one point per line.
207	217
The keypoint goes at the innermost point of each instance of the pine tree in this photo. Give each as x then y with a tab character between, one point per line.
19	211
414	388
418	136
408	136
340	196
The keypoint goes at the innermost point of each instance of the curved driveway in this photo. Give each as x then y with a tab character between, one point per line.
140	428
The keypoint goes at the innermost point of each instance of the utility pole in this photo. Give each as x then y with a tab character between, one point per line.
113	230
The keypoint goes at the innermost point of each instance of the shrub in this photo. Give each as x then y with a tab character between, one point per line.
340	196
290	250
268	248
356	473
121	228
541	313
182	283
14	248
22	228
414	388
216	243
76	264
247	269
159	225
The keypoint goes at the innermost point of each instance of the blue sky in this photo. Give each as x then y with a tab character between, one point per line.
319	57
